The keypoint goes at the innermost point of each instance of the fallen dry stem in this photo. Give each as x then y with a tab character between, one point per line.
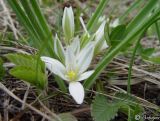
28	105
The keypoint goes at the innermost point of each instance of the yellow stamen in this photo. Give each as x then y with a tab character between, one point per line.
71	75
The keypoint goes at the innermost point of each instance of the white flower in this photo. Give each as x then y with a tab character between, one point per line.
100	41
115	23
101	19
74	70
68	24
58	49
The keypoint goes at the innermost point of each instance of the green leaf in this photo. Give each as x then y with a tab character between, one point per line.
154	60
28	68
26	73
102	110
105	110
129	103
118	33
128	99
2	71
147	55
148	51
67	117
26	60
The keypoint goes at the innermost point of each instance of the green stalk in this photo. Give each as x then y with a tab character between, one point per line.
131	64
61	84
157	24
133	30
97	14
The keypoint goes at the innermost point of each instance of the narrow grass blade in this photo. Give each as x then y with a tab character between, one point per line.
134	28
135	5
97	14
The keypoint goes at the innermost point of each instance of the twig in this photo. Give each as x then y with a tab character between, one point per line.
76	112
13	49
25	96
6	102
51	113
28	105
9	18
142	71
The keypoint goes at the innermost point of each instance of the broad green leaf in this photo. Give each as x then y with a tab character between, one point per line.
154	60
2	71
26	60
116	36
103	110
147	55
26	73
129	103
118	33
67	117
148	51
28	68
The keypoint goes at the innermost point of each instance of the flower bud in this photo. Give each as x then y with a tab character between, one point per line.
68	24
115	23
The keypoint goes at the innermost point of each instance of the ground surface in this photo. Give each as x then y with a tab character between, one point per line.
145	77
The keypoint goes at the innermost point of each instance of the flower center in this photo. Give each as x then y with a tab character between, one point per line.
71	75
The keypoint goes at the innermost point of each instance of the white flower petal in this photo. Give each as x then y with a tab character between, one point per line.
100	42
85	57
114	23
104	46
85	75
58	48
83	25
68	24
77	91
100	32
101	19
70	61
75	46
55	66
71	16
